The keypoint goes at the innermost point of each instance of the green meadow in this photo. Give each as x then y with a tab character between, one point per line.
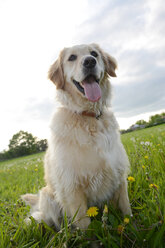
146	186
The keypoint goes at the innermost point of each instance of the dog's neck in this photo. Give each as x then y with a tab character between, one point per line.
91	114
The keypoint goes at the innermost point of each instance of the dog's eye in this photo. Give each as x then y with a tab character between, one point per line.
72	57
94	54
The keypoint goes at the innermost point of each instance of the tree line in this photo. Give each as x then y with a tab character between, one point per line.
153	121
22	144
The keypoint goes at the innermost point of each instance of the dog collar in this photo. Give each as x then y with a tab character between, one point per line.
92	114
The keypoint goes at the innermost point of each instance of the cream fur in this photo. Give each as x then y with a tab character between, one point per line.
85	164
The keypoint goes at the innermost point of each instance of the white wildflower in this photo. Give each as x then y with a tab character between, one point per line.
133	139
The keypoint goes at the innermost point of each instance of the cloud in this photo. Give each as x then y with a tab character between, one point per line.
38	109
114	23
141	87
146	96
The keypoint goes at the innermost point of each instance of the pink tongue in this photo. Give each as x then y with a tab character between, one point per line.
92	89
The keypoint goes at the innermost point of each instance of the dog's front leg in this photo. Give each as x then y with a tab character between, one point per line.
77	202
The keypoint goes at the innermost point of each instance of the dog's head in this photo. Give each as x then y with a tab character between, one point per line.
82	70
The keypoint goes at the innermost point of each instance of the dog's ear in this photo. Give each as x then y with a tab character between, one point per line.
55	73
110	64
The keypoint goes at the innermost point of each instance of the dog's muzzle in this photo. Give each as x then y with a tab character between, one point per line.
90	88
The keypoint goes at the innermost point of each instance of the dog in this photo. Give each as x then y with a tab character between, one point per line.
85	163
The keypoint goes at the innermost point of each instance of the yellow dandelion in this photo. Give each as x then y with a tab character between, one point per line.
153	186
105	209
36	169
131	179
126	220
146	157
120	229
158	144
92	211
143	167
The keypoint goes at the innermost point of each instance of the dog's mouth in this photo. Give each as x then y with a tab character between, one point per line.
89	87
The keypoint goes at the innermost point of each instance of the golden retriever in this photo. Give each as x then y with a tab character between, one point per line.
85	164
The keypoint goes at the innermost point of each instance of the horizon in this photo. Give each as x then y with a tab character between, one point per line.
147	120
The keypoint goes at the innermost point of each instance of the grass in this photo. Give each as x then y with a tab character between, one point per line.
145	149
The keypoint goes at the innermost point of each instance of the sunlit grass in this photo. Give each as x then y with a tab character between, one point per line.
108	228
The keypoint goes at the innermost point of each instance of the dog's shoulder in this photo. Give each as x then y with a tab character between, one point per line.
109	120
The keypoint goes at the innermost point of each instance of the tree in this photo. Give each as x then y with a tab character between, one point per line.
22	143
141	122
42	145
156	119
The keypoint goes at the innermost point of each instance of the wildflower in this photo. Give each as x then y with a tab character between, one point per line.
131	179
120	229
153	186
36	169
133	139
126	220
143	167
92	211
158	144
147	143
146	157
105	209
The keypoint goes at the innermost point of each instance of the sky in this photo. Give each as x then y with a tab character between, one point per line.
32	33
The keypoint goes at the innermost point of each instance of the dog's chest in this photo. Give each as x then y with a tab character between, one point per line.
87	145
93	134
92	149
96	171
84	153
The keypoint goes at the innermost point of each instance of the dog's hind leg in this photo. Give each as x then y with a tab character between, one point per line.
49	207
31	199
44	207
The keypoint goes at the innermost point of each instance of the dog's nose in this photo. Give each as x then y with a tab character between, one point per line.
89	62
